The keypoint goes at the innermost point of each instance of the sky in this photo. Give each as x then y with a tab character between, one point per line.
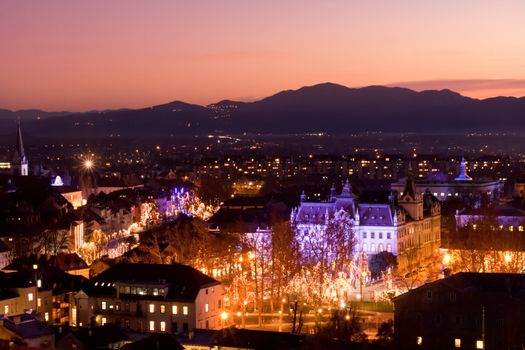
84	55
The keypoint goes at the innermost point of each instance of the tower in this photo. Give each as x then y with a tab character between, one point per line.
20	158
410	200
463	176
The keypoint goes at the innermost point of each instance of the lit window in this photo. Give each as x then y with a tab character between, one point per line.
151	308
206	308
184	310
389	248
174	309
6	309
152	325
104	320
419	340
457	343
103	305
479	344
364	247
39	283
30	297
380	247
163	309
511	228
163	326
39	302
46	316
373	248
520	228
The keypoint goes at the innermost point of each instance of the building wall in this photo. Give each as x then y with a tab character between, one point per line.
440	315
154	315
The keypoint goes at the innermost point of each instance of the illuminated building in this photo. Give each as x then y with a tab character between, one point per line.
464	187
152	298
409	224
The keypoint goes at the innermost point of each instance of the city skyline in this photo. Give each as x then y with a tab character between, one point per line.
75	56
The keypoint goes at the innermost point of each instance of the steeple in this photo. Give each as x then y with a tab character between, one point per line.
411	201
303	197
332	193
463	176
410	186
20	155
347	192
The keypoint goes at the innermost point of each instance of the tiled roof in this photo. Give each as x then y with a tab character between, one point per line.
184	282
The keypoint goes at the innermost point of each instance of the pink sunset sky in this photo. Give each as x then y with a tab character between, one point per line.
83	55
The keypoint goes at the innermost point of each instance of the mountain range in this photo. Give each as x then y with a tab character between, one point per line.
330	108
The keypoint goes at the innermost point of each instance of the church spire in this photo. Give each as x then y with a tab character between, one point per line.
20	155
410	186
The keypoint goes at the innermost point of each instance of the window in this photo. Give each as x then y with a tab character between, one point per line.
184	310
104	320
152	326
429	295
163	309
117	306
364	234
372	235
206	308
174	309
419	340
38	302
39	283
174	327
46	316
103	305
364	247
520	228
457	343
206	291
388	235
207	324
6	309
29	296
126	323
373	248
126	307
163	326
479	344
389	248
155	291
185	327
380	235
380	247
151	308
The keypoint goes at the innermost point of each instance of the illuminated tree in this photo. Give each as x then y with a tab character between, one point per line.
327	256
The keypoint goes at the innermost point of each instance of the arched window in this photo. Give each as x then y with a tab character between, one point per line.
380	247
364	247
373	248
389	248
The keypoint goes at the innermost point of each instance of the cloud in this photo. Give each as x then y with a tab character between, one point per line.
478	88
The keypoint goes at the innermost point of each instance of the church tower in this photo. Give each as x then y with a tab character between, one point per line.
410	200
20	158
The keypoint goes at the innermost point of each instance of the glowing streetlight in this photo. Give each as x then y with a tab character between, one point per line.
224	316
